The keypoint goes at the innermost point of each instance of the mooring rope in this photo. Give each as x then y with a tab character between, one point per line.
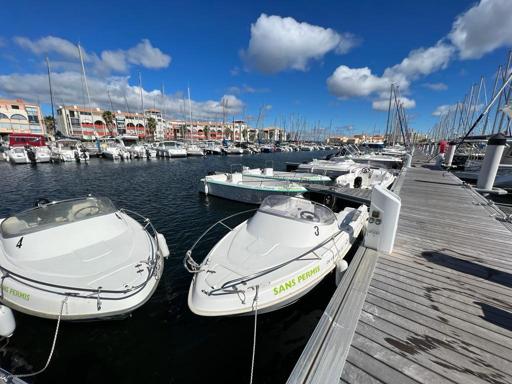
7	378
255	307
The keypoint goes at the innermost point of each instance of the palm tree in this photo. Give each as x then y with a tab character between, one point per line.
49	122
108	117
207	132
244	134
227	133
151	124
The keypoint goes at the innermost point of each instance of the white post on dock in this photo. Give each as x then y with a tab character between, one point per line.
408	160
383	221
492	159
450	153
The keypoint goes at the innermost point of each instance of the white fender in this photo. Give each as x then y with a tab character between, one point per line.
162	245
7	322
341	267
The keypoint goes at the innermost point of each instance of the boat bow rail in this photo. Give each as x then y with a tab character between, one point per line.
188	262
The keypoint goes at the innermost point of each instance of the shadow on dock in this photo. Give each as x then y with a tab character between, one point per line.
468	267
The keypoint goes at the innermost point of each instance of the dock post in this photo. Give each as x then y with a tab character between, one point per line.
450	153
408	160
491	162
383	221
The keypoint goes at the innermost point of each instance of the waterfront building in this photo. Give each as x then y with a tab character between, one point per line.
18	116
161	124
88	123
273	134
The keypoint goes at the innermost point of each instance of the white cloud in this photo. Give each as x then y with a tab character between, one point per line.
383	104
421	62
49	44
436	86
446	108
148	56
244	88
280	43
356	82
143	54
482	29
67	89
348	82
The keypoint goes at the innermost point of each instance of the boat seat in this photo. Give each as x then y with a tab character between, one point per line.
77	207
14	225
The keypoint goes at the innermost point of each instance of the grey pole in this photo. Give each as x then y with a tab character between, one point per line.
492	159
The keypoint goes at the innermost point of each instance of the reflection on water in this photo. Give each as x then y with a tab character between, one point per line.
162	342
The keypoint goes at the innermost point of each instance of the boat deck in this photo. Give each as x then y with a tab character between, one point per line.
437	310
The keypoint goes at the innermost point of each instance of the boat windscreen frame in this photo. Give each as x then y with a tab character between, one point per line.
106	202
332	215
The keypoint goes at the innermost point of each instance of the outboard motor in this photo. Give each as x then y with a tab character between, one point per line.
358	182
41	201
31	154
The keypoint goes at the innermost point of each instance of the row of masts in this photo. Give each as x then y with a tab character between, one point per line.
397	127
478	114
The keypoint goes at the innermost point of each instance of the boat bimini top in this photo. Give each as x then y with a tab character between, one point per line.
273	258
101	261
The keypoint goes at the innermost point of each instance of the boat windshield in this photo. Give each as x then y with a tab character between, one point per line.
54	214
297	209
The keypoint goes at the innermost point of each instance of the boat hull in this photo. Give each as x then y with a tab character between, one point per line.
35	301
241	194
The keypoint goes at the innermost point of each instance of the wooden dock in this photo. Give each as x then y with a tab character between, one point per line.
437	310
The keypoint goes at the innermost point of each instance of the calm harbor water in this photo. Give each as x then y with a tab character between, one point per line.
162	342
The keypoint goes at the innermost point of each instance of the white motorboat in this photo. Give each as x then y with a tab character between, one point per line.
111	150
373	160
67	150
43	154
83	257
232	150
212	148
151	153
194	150
133	146
18	155
274	258
246	189
296	177
171	149
366	178
331	168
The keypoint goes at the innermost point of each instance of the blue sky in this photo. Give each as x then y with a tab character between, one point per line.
282	62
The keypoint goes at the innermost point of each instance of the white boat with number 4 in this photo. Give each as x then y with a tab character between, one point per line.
82	259
274	258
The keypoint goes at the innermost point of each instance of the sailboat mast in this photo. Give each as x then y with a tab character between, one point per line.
86	87
142	103
190	112
50	84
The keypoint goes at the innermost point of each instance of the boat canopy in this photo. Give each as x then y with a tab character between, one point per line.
55	214
297	209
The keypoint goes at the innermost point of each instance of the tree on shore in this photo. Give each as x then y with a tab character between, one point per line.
108	117
151	124
50	125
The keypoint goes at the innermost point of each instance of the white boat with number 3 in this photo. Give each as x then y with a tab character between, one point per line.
82	259
272	259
